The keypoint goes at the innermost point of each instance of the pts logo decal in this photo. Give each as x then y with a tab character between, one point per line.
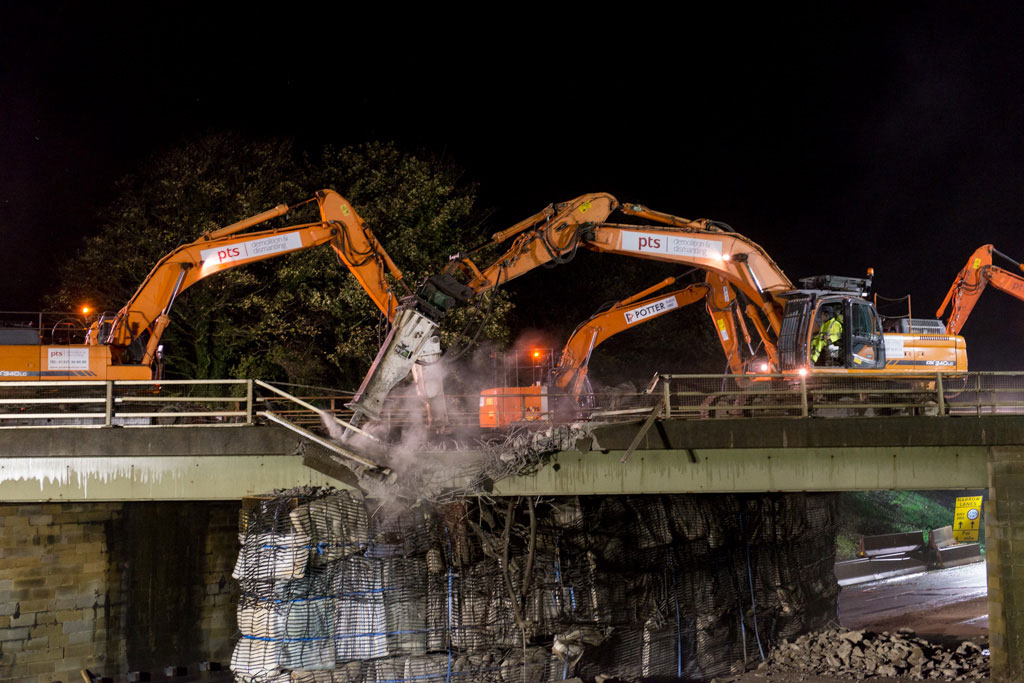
646	242
251	249
682	247
228	253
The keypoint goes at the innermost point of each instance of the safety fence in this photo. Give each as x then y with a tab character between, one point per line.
234	402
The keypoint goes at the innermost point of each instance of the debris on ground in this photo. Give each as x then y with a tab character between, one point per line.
859	655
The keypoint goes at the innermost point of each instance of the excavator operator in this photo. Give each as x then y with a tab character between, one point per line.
828	336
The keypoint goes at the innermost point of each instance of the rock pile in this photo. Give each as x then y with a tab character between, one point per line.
862	654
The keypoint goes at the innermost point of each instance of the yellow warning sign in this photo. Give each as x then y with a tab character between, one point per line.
967	519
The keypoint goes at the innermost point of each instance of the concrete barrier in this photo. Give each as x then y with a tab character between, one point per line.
862	570
888	555
946	552
889	544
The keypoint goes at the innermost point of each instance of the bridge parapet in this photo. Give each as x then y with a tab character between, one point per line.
680	397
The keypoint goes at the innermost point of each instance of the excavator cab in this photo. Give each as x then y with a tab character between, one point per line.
823	329
867	344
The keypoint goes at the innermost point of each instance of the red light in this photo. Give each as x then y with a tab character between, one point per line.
536	355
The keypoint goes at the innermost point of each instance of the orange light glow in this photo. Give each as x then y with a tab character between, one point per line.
85	310
536	355
802	372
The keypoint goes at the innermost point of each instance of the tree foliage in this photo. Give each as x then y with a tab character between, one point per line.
300	318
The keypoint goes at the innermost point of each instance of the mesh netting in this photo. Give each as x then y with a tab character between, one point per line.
337	588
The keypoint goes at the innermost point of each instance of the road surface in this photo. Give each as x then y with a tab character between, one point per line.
946	606
947	602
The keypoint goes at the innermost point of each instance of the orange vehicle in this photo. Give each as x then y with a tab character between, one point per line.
971	281
501	406
125	346
786	319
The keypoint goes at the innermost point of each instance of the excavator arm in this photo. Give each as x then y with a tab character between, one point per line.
570	374
358	248
552	236
971	281
148	311
569	378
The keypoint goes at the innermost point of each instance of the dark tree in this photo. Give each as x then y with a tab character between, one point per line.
300	318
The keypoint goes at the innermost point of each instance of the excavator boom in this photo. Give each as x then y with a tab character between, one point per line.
572	367
353	242
357	247
499	407
756	292
971	281
147	313
554	235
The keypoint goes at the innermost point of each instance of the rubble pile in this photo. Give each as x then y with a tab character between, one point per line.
863	655
335	587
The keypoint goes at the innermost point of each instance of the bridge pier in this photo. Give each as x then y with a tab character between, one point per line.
1004	534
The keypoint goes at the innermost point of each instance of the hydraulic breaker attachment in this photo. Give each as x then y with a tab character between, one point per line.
428	374
402	348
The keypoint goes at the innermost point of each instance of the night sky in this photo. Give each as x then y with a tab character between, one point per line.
838	138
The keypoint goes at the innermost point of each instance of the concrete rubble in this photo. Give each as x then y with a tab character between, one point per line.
860	655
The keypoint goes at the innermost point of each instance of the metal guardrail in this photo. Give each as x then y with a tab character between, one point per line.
777	395
233	402
877	395
126	403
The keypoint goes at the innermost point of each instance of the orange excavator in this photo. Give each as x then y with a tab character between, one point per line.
971	281
501	406
787	320
126	345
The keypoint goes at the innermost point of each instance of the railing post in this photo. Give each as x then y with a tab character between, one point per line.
942	398
248	402
668	397
977	395
803	397
108	417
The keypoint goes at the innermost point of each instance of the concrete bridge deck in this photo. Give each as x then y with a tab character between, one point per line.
674	456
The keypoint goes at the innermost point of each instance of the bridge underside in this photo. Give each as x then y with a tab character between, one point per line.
673	456
729	456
